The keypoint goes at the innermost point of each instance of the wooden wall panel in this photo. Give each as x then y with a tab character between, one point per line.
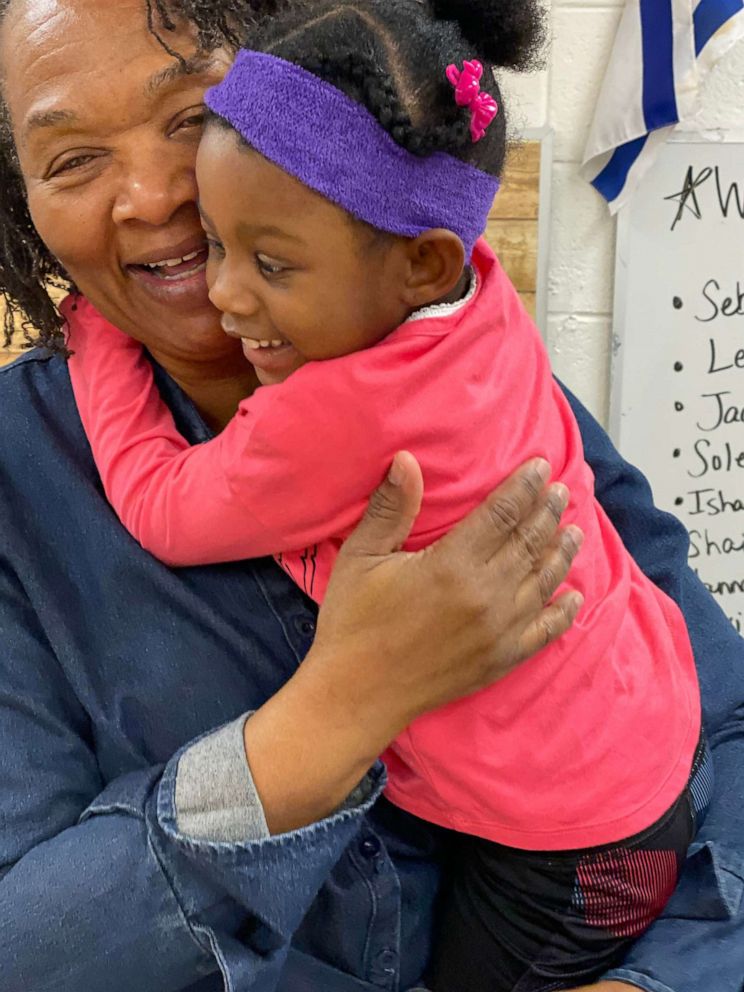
9	354
515	242
512	227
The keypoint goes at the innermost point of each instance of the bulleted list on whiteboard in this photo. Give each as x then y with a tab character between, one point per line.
678	374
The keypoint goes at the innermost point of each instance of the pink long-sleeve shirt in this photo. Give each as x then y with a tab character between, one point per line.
588	743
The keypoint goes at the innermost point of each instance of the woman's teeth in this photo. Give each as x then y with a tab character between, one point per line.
175	269
175	261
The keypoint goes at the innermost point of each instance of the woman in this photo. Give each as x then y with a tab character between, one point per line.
138	849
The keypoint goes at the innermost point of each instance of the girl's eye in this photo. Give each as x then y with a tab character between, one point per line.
267	267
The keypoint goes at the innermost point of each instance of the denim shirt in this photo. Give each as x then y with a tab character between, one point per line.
115	675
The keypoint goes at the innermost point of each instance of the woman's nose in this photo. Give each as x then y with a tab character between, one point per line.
151	193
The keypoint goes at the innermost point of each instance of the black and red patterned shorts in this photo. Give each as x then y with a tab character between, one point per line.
525	921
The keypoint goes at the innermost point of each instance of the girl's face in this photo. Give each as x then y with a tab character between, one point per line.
295	277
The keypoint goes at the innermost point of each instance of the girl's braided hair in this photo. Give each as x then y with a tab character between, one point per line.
389	55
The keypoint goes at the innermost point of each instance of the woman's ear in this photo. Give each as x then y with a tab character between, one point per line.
436	260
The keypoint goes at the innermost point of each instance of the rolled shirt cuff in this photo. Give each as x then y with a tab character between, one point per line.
630	977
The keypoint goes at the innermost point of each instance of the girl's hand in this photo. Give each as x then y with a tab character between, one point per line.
400	634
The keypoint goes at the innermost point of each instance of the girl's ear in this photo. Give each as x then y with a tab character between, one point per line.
436	260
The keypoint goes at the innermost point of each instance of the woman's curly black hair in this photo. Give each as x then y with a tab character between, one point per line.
390	55
27	267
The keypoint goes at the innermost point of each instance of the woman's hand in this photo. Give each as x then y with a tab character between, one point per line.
445	622
400	634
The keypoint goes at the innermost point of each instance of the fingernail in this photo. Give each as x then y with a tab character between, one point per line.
395	475
575	535
561	494
543	469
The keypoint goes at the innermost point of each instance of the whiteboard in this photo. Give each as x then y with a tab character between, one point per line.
678	351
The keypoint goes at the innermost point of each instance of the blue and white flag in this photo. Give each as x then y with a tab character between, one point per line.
663	51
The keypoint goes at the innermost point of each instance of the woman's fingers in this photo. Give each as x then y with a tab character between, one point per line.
552	570
553	622
552	619
484	532
529	541
391	512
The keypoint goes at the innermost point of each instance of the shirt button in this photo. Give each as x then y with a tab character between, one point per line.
370	847
387	960
305	626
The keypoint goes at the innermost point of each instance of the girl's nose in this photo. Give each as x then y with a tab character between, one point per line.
230	294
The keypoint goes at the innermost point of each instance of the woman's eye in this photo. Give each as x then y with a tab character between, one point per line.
70	165
268	267
216	248
194	121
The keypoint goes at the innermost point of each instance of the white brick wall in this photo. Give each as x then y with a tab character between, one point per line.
582	235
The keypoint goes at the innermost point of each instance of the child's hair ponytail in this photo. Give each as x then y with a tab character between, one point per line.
507	33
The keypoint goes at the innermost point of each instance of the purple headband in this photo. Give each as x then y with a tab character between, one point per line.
335	146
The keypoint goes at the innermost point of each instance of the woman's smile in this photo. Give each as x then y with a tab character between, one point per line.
174	274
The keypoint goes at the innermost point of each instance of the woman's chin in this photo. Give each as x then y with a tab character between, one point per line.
173	319
177	316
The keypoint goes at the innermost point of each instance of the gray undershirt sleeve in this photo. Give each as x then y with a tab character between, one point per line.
216	797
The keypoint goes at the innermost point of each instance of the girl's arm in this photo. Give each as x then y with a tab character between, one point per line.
282	476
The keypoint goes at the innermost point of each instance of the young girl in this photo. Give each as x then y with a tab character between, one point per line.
345	178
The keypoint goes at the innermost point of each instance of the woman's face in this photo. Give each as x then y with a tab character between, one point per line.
107	126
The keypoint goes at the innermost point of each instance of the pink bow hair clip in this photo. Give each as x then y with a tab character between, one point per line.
468	93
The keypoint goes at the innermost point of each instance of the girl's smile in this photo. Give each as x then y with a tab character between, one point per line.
272	363
274	360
